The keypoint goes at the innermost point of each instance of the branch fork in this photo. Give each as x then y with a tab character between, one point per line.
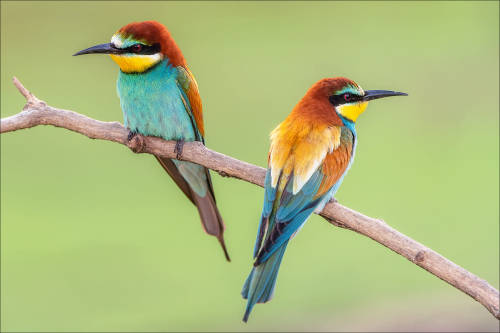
37	112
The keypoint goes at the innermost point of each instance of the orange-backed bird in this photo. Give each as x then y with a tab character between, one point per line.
159	97
310	154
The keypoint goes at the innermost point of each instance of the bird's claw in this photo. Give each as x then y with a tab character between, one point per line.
179	145
136	142
332	200
131	135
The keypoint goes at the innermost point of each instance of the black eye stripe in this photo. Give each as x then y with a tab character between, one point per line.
341	99
143	49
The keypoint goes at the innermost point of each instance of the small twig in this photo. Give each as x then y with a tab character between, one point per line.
36	112
25	92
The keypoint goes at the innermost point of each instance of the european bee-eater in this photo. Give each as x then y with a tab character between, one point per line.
159	97
310	154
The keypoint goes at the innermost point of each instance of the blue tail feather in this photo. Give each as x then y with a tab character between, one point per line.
246	286
259	286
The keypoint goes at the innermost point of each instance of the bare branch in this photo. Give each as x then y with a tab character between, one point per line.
37	112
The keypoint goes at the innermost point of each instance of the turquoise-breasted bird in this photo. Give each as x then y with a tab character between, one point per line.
310	154
159	97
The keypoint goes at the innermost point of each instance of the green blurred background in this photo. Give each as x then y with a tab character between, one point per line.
96	238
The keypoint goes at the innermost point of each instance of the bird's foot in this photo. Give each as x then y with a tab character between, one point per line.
179	145
131	135
136	142
332	200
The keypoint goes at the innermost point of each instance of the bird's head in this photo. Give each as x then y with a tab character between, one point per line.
139	46
348	99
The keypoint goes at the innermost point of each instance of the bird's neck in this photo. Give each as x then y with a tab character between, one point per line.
349	124
162	68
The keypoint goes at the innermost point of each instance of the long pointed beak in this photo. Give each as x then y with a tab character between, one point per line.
107	48
375	94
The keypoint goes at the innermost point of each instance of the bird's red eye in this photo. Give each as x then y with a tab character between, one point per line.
347	97
136	48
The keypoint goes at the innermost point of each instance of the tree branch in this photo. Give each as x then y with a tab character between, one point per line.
37	112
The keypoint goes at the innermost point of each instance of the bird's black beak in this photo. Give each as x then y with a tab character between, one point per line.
107	48
375	94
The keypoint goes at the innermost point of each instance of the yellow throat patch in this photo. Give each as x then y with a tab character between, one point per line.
135	63
352	111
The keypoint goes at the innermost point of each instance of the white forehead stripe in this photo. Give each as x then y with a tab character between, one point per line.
117	41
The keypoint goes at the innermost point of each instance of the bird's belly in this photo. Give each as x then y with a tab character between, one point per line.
154	107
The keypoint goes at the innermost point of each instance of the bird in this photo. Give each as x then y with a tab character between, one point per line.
159	97
310	153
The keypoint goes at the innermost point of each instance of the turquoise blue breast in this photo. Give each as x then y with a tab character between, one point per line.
152	103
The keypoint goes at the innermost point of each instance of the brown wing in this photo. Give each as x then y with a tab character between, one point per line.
210	217
190	87
195	101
